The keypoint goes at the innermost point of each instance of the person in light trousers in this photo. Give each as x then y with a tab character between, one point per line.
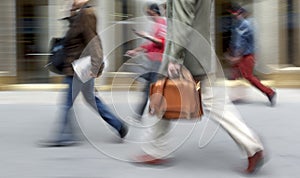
189	43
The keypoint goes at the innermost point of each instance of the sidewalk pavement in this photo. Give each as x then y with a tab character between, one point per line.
28	116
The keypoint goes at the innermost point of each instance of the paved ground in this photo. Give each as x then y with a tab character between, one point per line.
27	117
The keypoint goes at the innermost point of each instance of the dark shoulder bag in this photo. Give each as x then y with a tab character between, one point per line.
57	56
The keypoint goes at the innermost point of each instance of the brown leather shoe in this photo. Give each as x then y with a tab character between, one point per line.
255	162
148	159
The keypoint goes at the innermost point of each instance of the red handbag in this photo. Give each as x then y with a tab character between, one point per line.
178	98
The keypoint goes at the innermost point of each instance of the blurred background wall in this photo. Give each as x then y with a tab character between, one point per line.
8	41
28	25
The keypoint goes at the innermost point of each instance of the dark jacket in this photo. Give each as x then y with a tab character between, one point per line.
82	40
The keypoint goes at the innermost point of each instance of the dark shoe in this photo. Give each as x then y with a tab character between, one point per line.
50	143
255	162
123	131
272	99
150	160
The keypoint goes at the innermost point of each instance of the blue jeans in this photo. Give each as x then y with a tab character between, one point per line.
74	87
150	78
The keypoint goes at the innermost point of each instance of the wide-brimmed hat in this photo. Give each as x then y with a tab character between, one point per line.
78	4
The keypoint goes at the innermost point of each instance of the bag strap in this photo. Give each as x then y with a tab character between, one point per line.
178	71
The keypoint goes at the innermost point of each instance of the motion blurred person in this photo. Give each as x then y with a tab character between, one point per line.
82	40
152	50
188	43
241	52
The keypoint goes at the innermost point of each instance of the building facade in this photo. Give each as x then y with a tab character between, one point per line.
28	25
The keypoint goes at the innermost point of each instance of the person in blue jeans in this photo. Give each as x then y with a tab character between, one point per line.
82	40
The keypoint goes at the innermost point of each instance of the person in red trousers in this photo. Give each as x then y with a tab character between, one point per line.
241	52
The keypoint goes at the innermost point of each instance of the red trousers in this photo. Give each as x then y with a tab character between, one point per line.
245	68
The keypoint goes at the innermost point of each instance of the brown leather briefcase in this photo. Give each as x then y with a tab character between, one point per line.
178	98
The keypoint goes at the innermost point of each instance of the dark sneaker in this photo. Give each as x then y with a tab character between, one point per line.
50	143
255	162
272	99
123	131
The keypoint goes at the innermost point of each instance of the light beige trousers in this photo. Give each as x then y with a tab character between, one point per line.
218	108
